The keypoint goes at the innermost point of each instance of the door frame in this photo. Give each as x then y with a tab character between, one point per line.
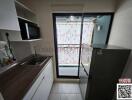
55	36
55	43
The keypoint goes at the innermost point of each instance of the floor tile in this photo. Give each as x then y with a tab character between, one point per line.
71	97
68	71
66	88
65	91
54	96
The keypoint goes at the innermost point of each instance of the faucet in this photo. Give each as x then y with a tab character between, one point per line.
35	52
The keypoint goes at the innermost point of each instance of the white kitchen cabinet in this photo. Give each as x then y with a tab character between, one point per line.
8	16
24	12
42	86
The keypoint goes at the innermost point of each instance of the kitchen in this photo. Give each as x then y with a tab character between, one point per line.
31	60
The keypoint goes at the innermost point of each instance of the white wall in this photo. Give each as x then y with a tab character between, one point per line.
13	35
121	33
22	49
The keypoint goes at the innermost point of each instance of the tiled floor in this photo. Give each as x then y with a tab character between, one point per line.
65	91
68	71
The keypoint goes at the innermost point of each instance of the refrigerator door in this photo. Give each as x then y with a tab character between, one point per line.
106	68
83	81
108	63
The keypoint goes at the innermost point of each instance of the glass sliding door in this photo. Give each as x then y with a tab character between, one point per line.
68	29
87	30
71	30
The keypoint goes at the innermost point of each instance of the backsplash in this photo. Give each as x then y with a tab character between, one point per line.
5	55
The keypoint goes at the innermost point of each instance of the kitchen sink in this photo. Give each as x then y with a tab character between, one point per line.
35	60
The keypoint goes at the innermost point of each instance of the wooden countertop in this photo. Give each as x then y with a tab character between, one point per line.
15	82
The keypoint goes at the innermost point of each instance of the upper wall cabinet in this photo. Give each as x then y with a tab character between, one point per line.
17	20
8	16
24	12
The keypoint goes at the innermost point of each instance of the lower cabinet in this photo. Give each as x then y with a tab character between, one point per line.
42	86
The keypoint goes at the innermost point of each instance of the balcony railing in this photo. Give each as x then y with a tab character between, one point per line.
68	54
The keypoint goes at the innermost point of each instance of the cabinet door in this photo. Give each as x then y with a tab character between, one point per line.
43	91
49	75
8	16
41	88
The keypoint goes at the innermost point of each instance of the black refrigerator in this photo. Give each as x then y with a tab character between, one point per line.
100	68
